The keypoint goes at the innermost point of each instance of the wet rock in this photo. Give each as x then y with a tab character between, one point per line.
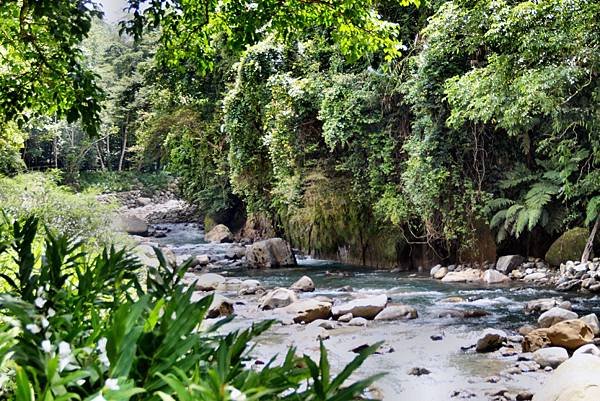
346	288
592	321
209	281
555	315
453	300
587	349
552	356
358	321
219	234
278	298
250	287
345	318
543	305
577	379
397	312
462	314
508	263
220	306
524	396
490	340
308	310
468	275
436	337
367	308
569	285
418	371
202	260
494	277
270	253
440	273
133	225
304	284
236	253
434	270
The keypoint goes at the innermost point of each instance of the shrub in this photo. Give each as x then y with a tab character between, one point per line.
84	328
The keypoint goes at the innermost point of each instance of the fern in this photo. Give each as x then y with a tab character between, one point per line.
498	219
592	210
540	194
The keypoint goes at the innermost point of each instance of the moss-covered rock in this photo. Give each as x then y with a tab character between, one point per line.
568	246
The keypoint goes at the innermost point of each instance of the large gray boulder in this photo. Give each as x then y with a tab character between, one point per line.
555	315
219	234
270	253
508	263
133	225
304	284
592	321
576	379
278	298
551	356
490	340
397	312
495	277
308	310
363	307
209	281
464	276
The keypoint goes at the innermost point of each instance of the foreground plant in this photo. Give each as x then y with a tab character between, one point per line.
77	326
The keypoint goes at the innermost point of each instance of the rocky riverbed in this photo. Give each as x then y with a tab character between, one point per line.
443	339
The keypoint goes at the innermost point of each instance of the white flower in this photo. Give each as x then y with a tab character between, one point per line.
102	345
45	322
64	349
33	328
39	302
104	360
112	384
47	346
65	357
99	397
236	395
80	382
51	312
174	316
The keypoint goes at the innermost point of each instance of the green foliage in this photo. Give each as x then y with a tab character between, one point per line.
113	181
84	328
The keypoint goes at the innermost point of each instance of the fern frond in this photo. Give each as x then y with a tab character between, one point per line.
534	218
521	222
592	210
540	194
511	214
498	219
497	204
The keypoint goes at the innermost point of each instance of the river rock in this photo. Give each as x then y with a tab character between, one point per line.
576	379
308	310
569	246
304	284
133	225
545	304
345	318
219	234
269	253
358	321
434	270
587	349
397	312
209	281
494	277
220	306
555	315
453	300
363	307
143	201
468	275
552	356
535	276
490	340
278	298
508	263
250	287
441	273
592	321
202	260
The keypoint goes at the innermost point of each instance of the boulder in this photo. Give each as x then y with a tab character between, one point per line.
552	356
468	275
587	349
274	252
576	379
143	201
397	312
494	277
363	307
202	260
308	310
220	306
441	273
535	276
358	321
592	321
535	340
209	281
345	318
219	234
304	284
434	270
568	246
133	225
490	340
555	315
250	287
544	304
278	298
508	263
569	334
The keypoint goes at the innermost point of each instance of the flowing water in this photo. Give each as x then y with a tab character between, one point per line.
455	373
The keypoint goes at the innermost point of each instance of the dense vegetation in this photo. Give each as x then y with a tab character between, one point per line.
388	129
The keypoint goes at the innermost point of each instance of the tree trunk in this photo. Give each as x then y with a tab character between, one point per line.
124	143
590	242
55	150
100	158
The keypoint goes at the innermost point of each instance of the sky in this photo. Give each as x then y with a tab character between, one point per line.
113	10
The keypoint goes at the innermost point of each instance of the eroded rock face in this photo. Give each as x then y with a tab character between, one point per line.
555	315
397	312
219	234
576	379
304	284
278	298
270	253
367	308
569	334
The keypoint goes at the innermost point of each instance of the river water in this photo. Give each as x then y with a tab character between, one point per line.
455	373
